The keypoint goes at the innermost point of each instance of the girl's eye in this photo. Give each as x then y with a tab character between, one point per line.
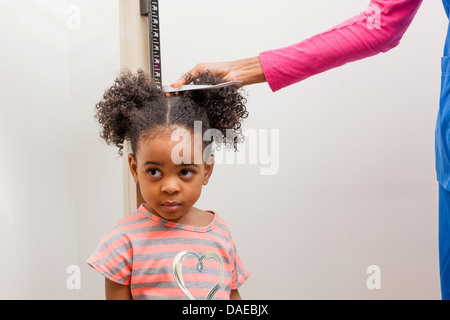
154	173
185	173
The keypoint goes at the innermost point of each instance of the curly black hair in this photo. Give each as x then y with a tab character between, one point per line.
134	105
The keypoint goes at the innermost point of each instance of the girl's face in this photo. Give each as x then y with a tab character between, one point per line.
170	190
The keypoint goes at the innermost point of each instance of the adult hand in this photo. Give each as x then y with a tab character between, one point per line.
249	71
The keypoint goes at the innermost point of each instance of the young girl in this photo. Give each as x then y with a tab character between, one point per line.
168	249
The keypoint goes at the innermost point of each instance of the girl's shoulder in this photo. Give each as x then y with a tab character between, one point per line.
220	223
134	218
129	224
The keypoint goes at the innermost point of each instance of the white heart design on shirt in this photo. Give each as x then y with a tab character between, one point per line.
178	273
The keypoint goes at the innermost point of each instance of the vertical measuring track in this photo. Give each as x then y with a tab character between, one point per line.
150	8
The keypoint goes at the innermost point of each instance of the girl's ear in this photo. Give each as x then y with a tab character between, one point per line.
133	167
209	166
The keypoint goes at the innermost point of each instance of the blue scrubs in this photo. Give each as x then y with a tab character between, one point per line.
443	167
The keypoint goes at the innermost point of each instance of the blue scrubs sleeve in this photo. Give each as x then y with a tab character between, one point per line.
442	133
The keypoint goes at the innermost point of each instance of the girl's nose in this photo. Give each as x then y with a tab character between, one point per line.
170	186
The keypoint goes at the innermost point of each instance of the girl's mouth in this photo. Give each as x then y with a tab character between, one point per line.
171	206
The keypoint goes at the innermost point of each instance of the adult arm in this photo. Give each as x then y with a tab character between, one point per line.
249	71
377	29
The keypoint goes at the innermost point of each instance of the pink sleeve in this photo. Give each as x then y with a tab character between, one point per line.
378	29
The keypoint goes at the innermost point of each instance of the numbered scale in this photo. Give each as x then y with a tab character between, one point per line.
150	8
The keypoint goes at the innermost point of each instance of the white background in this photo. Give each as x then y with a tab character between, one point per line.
356	183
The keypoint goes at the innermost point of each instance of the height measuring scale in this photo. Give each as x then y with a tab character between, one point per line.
150	8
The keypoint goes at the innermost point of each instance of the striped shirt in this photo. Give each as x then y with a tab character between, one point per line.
161	259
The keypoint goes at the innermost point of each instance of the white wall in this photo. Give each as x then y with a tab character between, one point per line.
355	186
94	64
60	187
